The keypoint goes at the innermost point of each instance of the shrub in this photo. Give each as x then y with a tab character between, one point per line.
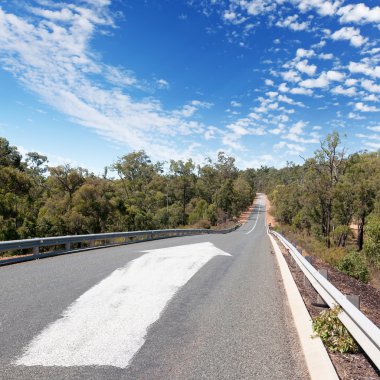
333	333
203	223
354	265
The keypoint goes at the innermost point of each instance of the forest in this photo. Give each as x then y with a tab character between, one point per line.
330	204
133	193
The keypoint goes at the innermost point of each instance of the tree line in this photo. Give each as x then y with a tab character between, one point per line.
133	193
329	196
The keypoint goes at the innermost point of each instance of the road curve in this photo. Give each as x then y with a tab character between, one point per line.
213	307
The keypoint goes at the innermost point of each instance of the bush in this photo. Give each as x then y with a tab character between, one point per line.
354	265
333	333
203	224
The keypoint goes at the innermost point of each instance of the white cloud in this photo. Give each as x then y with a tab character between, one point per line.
323	7
235	104
374	128
321	82
273	106
163	84
364	68
326	56
301	91
355	116
302	53
293	149
210	133
296	131
190	109
286	99
49	53
350	34
297	128
304	67
370	85
371	98
269	82
365	108
292	23
350	82
291	76
333	75
229	15
258	7
372	145
276	131
339	90
359	13
254	116
283	87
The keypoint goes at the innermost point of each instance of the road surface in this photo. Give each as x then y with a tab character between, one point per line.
199	307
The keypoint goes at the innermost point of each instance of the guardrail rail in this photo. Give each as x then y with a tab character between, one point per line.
365	332
110	239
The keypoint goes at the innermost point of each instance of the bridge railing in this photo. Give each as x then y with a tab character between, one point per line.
365	332
105	239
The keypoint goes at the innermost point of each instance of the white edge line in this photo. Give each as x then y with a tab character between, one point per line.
317	359
258	215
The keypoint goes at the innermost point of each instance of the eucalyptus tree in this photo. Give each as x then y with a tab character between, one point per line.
323	173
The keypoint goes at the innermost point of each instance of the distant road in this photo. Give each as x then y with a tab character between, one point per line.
199	307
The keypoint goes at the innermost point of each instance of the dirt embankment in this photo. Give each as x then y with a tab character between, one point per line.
269	217
348	366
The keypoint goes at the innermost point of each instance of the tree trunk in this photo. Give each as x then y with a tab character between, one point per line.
360	240
328	223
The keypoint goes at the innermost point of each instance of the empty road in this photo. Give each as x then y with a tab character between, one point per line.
200	307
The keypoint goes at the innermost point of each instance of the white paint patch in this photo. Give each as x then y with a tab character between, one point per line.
107	325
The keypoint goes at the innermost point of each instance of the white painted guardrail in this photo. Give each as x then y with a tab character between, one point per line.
365	332
108	238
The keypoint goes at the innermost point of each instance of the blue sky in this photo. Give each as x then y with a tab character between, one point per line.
263	80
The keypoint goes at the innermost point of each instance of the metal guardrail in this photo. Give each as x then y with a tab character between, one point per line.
108	238
365	332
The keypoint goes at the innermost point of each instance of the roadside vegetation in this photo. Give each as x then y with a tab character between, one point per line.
333	333
330	205
133	193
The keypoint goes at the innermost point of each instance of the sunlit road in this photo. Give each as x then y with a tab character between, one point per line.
196	307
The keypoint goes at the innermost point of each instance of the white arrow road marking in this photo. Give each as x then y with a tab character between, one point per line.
107	325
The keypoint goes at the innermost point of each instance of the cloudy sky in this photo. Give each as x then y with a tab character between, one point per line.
87	81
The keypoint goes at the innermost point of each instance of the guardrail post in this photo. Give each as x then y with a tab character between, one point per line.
320	301
306	281
354	299
324	273
67	246
36	250
309	259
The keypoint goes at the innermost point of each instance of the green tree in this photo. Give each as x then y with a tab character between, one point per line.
183	179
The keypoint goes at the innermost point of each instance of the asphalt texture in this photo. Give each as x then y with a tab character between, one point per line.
231	320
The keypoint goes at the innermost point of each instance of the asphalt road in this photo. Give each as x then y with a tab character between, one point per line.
228	319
